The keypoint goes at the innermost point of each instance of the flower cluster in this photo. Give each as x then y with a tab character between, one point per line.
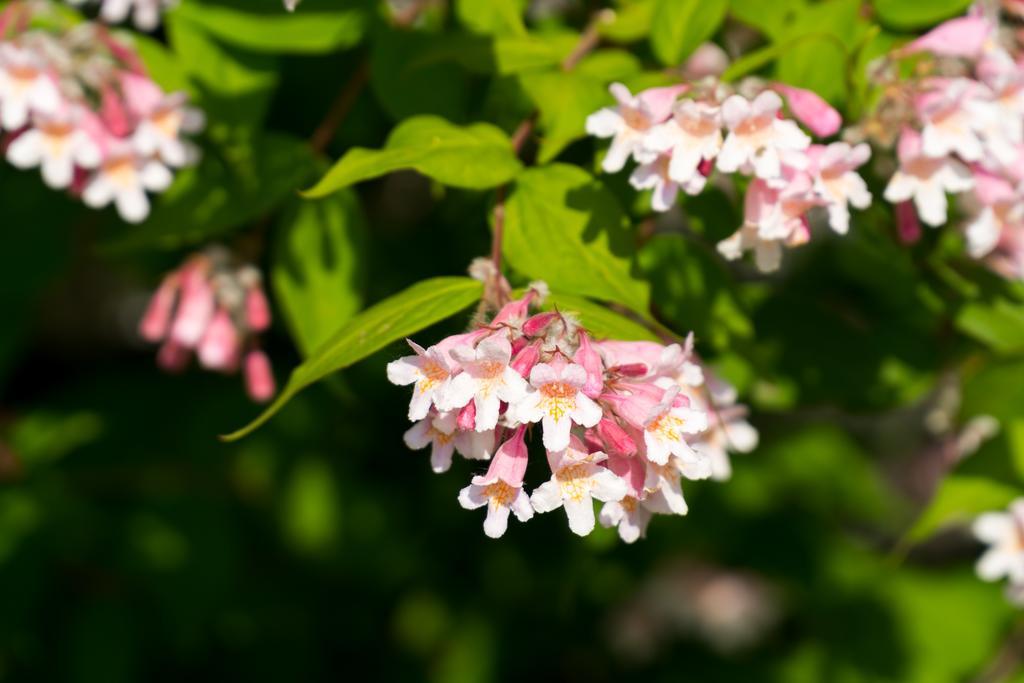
621	422
215	308
1003	532
679	135
145	13
960	129
80	108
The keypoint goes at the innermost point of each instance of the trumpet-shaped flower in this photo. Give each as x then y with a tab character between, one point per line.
437	431
429	370
576	480
1003	532
833	170
629	123
486	379
758	140
501	489
692	135
558	402
123	177
57	145
25	86
926	180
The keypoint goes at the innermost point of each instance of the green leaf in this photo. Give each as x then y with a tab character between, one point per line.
317	267
234	86
959	499
314	30
161	64
998	324
913	14
474	157
564	101
407	82
770	18
494	17
694	290
564	227
600	321
679	26
505	55
630	22
818	44
397	317
229	187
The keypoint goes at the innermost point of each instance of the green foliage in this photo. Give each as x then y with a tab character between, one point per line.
913	14
317	270
959	499
475	157
679	26
559	215
264	27
397	317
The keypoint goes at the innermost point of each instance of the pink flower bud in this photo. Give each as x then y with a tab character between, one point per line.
172	357
114	113
257	310
219	348
157	319
196	307
509	462
705	167
632	471
536	324
960	37
630	369
590	359
466	421
659	101
706	60
615	439
908	227
141	95
811	110
524	361
259	378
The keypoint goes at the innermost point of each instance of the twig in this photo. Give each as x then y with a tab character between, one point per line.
340	108
1008	660
588	41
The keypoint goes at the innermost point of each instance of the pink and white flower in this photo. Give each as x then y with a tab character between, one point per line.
954	119
833	169
576	480
759	142
926	180
123	177
429	370
486	379
629	123
1004	534
501	489
162	118
26	86
57	145
692	135
557	402
437	431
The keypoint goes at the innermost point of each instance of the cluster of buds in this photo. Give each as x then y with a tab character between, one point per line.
80	107
957	122
621	422
1003	532
145	13
679	135
215	308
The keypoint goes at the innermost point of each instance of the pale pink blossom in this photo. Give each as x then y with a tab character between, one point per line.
486	379
773	218
1003	532
955	118
26	86
501	489
56	144
833	169
161	119
654	175
1001	210
628	123
758	141
692	135
557	402
577	479
631	517
926	180
259	378
437	431
664	417
429	371
123	177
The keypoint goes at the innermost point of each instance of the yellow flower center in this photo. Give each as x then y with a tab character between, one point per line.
500	494
574	482
666	426
432	373
559	398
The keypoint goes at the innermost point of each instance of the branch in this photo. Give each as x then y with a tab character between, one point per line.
340	108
